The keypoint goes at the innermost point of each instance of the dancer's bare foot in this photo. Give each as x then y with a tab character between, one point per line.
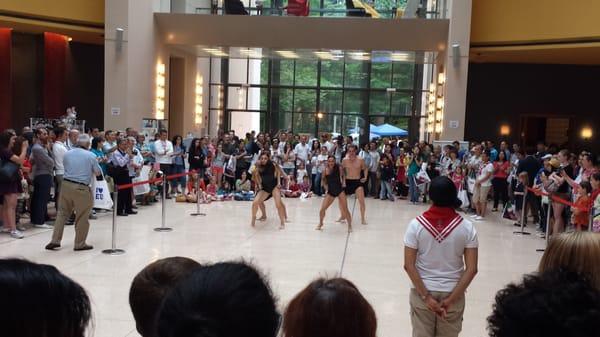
349	229
262	218
319	227
282	226
287	220
253	223
364	222
341	220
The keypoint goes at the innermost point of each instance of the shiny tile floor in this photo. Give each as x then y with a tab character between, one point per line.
371	257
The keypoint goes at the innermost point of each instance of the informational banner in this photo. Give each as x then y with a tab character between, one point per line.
151	126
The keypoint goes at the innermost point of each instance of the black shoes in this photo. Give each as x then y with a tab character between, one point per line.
84	247
52	246
131	212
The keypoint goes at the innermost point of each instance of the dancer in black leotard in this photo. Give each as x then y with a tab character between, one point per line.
335	184
267	176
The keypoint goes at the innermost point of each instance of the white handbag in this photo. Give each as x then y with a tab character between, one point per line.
464	198
145	188
101	194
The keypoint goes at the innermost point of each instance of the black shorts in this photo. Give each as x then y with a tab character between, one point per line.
352	185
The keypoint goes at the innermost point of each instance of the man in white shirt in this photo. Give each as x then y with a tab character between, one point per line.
435	245
326	142
282	141
483	184
163	151
373	181
59	149
110	142
302	150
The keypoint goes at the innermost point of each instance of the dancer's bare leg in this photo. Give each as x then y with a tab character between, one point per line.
263	211
360	195
260	199
343	201
280	207
327	201
285	212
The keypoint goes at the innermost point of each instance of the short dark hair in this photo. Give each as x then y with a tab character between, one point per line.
150	286
552	304
226	299
161	131
55	304
329	308
586	186
59	131
96	141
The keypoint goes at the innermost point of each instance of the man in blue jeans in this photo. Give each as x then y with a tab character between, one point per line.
42	172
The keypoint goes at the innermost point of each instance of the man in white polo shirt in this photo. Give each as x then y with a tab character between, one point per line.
163	152
435	245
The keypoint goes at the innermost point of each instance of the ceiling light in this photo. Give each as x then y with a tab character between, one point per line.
324	55
69	39
287	54
400	57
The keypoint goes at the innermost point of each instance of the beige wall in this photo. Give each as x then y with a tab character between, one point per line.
130	76
91	11
505	21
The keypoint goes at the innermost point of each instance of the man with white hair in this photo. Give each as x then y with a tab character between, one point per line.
80	167
73	137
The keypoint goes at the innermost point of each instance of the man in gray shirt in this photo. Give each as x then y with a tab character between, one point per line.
81	167
42	172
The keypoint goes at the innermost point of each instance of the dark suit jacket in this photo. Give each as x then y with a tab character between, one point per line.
530	165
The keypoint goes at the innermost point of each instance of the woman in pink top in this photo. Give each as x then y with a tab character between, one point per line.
499	182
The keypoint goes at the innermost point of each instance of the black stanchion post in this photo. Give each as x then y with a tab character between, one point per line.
163	227
114	250
547	225
523	214
198	213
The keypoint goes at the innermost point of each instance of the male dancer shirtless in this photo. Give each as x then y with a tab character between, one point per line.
353	167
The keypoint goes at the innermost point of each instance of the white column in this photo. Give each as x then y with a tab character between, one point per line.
456	69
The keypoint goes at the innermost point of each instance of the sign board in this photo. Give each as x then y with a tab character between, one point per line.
453	124
115	111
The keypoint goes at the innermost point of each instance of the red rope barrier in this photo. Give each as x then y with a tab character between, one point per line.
152	181
539	192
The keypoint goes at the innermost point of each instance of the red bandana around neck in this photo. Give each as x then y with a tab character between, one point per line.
440	221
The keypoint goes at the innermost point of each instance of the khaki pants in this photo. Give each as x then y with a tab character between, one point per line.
78	198
427	324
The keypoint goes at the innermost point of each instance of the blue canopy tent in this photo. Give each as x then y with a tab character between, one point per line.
388	130
354	133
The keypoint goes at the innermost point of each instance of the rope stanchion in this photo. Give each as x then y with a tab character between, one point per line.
198	213
163	227
113	247
523	215
547	236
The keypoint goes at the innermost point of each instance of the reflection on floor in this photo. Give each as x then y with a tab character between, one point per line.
371	257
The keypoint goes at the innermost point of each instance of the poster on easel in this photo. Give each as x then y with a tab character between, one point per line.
151	126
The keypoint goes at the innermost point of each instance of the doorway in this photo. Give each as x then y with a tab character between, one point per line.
550	129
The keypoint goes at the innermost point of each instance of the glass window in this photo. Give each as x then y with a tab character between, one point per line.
257	71
257	98
401	104
403	75
281	99
331	101
305	100
379	103
332	74
381	75
217	96
236	98
306	73
331	123
245	121
355	102
284	120
334	8
238	70
356	75
282	72
353	125
304	123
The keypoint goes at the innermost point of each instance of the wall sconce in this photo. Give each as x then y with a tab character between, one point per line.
198	109
160	90
441	78
320	115
220	97
586	133
504	130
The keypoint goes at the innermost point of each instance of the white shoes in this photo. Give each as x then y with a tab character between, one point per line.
43	226
17	234
478	218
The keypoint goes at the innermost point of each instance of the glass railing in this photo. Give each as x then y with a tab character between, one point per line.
380	9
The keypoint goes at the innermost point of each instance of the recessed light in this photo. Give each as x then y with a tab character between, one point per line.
287	54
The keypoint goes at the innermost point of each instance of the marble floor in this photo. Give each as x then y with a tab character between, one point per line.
371	256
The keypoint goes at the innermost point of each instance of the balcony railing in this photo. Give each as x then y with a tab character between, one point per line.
379	9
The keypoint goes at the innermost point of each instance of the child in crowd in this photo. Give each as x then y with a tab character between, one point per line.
211	189
458	177
243	188
224	192
155	188
293	189
595	181
301	172
523	180
580	211
387	174
402	189
193	194
314	166
305	188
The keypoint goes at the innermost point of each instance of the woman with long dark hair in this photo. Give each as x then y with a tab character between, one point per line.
11	187
335	183
179	155
267	177
500	182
